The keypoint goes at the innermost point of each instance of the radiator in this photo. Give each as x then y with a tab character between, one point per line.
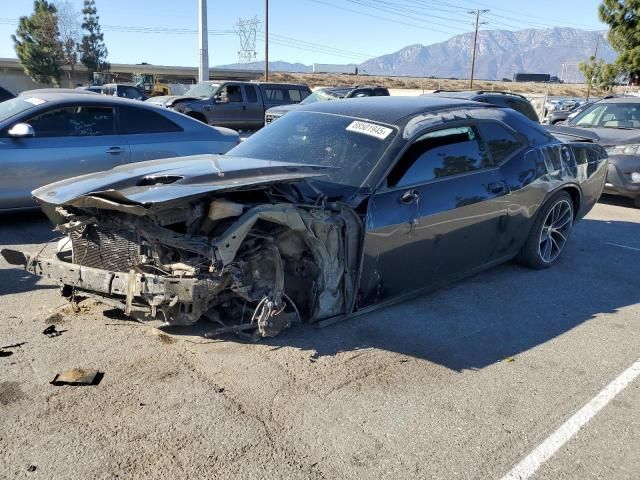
108	249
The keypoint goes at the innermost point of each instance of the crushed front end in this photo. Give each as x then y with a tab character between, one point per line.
244	264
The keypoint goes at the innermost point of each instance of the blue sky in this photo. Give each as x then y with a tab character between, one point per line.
322	31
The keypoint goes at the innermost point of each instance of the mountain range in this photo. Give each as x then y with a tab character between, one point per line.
500	54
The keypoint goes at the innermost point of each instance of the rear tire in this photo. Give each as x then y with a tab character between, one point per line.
549	234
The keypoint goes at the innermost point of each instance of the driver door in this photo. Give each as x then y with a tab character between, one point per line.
230	109
436	217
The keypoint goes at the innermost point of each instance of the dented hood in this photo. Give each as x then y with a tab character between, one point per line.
139	188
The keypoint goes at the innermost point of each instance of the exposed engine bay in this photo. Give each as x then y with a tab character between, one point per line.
240	261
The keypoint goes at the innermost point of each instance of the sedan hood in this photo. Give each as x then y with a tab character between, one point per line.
170	100
157	184
603	136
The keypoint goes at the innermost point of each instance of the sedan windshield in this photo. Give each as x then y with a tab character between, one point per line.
202	90
318	96
351	146
17	105
609	115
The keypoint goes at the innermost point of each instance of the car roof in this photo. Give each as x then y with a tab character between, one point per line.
79	96
388	109
630	99
471	94
56	91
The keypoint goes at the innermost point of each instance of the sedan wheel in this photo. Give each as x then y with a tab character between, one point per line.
549	233
555	231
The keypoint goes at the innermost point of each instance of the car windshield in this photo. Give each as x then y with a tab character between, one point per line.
318	96
351	146
609	115
202	90
17	105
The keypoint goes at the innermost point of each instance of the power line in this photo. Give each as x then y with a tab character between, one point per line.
387	19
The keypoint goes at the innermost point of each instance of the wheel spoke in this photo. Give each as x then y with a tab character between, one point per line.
562	221
555	231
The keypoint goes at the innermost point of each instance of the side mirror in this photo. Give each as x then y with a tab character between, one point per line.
21	130
221	99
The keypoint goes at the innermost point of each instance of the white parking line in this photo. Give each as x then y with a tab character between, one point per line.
527	467
624	246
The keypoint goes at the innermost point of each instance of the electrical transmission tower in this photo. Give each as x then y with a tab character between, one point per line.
247	31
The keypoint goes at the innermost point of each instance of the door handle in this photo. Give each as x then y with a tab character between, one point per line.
114	150
496	187
244	107
409	197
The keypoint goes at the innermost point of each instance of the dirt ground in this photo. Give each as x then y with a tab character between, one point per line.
426	84
461	383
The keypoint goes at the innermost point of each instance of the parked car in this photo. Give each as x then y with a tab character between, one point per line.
559	116
122	90
613	123
335	209
239	105
517	102
50	136
325	94
5	94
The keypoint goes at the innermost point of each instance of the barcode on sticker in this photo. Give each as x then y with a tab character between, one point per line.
370	129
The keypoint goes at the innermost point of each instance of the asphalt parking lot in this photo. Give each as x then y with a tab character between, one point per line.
463	383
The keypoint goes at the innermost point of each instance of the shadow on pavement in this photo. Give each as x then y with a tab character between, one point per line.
16	280
491	316
617	201
25	228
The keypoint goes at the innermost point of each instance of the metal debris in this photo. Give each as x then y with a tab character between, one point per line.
78	377
51	331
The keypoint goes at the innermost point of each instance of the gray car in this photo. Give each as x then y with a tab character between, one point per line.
613	123
45	137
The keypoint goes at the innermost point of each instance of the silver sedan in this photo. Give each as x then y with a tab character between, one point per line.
48	136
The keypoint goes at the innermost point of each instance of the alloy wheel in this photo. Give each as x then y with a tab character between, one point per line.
555	231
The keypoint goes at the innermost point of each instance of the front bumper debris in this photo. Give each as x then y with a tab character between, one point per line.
178	301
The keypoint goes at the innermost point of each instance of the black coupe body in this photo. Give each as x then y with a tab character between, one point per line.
337	208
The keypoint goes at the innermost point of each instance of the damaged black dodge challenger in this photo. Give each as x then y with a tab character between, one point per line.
336	209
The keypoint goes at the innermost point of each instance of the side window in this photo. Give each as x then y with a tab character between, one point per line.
294	95
304	93
439	154
75	121
524	108
250	90
499	141
131	92
365	92
381	92
140	120
234	93
274	95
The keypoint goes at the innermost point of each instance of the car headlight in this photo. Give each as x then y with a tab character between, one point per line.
635	177
633	149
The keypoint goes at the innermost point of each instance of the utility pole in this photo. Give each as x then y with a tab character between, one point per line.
266	40
477	13
595	62
203	70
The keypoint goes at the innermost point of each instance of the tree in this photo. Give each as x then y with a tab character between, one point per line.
623	18
93	52
601	74
38	45
69	28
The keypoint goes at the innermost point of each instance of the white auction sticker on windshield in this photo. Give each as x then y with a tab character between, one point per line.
370	129
35	101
